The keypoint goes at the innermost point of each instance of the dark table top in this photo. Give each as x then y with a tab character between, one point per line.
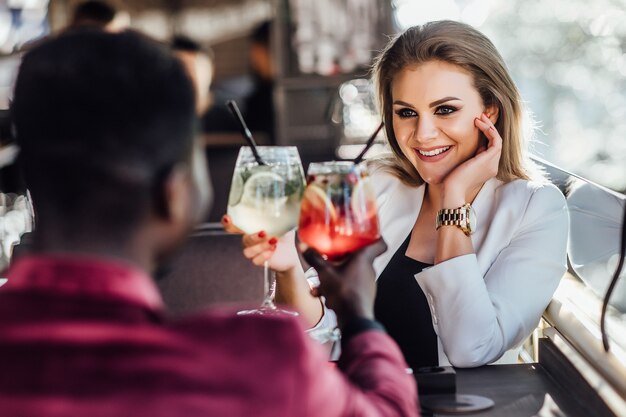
553	387
517	390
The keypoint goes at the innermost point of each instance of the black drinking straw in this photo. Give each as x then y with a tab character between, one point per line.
368	144
232	105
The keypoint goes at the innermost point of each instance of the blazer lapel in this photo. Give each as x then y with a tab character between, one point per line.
397	214
483	206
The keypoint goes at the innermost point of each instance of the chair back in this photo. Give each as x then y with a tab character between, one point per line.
210	269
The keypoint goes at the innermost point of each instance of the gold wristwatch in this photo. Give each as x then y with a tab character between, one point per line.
462	217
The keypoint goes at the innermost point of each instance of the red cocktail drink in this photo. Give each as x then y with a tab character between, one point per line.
338	210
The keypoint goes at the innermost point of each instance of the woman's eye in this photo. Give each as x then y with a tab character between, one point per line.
445	110
404	113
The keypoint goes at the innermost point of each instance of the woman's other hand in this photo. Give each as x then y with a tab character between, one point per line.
292	288
260	247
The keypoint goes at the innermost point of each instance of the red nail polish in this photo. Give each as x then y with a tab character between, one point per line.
225	219
262	234
273	241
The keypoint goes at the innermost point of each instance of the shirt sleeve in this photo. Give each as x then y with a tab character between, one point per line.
477	316
369	380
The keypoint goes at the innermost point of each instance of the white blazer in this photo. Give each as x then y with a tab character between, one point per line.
488	302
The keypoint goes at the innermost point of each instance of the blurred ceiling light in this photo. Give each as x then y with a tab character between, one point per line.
27	4
224	22
153	23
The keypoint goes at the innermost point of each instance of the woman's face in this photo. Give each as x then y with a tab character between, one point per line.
434	107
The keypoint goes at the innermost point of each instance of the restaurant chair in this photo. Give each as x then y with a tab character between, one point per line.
210	269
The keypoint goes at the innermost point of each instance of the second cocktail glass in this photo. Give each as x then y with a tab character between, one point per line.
337	216
338	212
266	198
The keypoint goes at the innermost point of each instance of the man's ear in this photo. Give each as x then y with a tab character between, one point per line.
173	195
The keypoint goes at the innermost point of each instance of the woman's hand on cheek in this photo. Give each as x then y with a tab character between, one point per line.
466	179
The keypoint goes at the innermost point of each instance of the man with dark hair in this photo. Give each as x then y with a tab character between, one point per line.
94	14
106	125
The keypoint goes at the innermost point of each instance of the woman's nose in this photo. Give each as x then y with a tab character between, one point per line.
426	130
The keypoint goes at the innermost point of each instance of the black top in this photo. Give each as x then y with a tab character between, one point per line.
402	308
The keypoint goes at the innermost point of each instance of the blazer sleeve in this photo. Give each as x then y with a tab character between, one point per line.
328	320
477	316
370	380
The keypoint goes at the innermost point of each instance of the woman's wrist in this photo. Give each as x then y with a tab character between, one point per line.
287	274
452	199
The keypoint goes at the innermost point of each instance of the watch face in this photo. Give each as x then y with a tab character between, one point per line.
472	219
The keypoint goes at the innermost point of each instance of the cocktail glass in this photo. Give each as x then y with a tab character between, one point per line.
337	216
338	212
267	197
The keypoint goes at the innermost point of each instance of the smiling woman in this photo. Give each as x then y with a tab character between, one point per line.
476	238
474	286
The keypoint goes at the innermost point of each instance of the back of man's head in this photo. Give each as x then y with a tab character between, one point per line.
100	119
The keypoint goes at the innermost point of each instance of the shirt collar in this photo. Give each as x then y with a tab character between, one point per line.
92	276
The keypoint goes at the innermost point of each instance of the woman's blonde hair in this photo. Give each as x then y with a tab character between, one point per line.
462	45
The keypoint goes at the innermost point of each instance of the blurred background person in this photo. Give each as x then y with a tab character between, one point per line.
100	15
256	104
199	64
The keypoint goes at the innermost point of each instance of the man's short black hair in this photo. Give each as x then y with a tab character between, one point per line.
100	118
94	12
261	34
183	43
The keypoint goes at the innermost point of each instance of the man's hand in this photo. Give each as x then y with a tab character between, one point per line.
350	287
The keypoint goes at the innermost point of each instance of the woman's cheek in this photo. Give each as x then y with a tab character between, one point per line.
403	134
464	133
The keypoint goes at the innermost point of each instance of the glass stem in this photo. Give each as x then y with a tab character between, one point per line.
269	285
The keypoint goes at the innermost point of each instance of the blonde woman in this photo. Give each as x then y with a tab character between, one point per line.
450	291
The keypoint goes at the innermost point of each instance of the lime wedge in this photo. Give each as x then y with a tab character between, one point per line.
264	189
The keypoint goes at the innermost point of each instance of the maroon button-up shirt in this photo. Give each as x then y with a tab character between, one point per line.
88	337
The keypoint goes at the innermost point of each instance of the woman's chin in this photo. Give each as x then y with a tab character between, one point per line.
432	179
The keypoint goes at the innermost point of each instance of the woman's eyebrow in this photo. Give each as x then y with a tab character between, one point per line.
403	103
443	100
